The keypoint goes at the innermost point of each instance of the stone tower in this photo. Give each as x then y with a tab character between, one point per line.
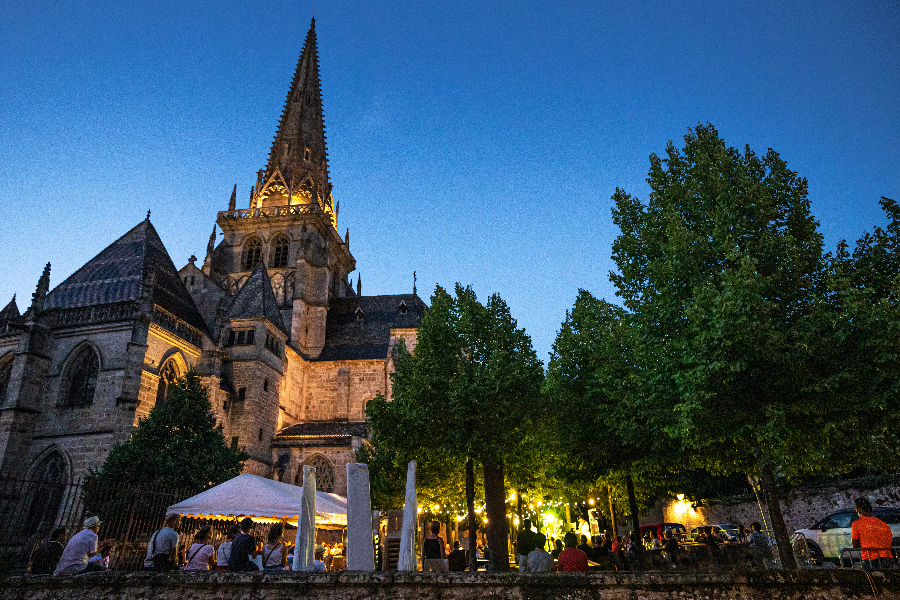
291	223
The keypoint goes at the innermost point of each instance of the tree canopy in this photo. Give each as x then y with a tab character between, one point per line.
176	446
470	391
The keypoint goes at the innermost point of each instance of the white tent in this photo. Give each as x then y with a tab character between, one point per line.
263	499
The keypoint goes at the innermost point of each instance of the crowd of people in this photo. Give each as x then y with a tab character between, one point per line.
240	550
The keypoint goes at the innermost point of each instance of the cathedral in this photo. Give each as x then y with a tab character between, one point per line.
289	351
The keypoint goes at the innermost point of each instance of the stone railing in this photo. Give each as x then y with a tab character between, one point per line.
173	324
352	585
85	315
270	211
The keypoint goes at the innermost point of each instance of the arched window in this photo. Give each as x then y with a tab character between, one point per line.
167	376
47	485
82	378
252	254
324	474
5	372
280	252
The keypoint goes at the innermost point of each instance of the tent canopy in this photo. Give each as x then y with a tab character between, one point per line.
263	499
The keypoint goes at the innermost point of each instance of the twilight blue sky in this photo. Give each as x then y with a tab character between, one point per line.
477	142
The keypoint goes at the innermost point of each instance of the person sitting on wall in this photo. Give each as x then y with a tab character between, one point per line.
456	560
224	550
75	557
47	555
572	560
539	561
104	550
201	554
243	546
162	551
274	556
871	532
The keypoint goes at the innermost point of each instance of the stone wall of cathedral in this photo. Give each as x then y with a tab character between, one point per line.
340	389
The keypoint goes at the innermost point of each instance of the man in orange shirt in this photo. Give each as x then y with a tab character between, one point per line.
871	532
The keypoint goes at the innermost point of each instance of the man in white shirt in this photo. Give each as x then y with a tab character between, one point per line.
164	546
539	561
74	559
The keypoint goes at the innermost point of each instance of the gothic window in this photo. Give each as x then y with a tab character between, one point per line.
167	376
48	485
82	378
306	154
252	254
5	372
403	308
324	474
280	255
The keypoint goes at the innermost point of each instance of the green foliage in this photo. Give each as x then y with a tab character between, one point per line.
755	348
471	388
176	446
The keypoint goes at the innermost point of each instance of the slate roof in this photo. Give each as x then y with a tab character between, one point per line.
11	311
118	274
350	338
256	300
326	429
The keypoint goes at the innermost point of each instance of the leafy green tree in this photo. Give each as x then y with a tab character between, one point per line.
469	392
722	270
177	446
607	432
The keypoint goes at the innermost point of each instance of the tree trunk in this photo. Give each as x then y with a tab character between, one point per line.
495	506
782	537
470	504
612	512
635	522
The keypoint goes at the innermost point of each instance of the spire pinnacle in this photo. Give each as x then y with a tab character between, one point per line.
299	152
231	203
414	282
211	245
40	293
359	285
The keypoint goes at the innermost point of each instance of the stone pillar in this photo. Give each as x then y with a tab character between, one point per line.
407	561
306	523
360	550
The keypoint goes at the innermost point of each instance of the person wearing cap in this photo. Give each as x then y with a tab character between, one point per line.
318	564
75	557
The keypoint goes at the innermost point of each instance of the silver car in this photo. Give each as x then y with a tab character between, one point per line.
828	536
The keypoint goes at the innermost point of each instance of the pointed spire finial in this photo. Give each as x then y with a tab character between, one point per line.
148	215
233	202
40	293
359	285
414	282
211	245
347	238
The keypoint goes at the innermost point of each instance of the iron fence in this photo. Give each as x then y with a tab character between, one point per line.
31	509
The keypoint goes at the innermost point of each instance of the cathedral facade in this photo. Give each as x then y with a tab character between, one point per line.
289	351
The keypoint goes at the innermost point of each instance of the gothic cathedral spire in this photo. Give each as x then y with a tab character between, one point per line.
297	171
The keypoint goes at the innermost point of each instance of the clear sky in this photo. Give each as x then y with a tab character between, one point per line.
477	142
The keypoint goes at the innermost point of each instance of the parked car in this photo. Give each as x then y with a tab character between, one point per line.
827	537
726	531
658	529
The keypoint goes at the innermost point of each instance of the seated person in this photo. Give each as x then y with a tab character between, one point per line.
457	560
585	547
318	565
572	560
539	561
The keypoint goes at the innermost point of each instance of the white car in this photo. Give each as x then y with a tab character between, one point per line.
828	536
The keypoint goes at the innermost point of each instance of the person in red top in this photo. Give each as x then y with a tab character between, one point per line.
572	560
871	532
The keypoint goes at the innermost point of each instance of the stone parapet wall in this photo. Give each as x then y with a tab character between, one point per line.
801	507
348	585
